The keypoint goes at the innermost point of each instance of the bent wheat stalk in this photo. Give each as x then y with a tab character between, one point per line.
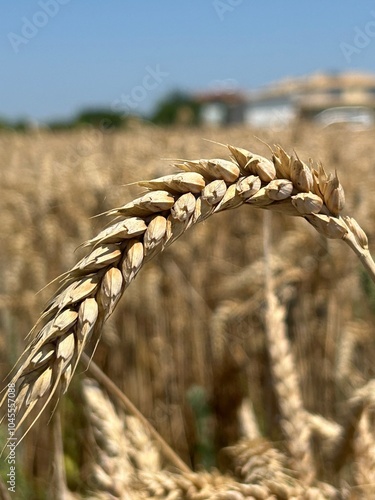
142	228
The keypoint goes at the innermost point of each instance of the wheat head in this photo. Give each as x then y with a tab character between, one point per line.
89	292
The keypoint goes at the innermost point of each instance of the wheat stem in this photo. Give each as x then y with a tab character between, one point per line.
363	254
58	488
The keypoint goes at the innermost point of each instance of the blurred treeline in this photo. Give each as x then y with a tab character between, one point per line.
176	107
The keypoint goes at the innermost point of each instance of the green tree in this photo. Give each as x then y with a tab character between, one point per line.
101	118
177	107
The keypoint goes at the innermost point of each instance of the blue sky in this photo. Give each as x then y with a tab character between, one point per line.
59	56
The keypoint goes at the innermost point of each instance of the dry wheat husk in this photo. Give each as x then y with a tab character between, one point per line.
90	291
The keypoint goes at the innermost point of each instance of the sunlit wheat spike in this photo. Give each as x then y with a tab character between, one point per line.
258	462
142	228
122	446
198	486
287	389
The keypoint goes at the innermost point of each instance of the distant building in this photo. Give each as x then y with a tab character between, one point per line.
222	107
323	98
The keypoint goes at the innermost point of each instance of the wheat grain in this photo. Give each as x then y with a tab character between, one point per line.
144	227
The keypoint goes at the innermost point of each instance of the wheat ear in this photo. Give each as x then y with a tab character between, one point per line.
284	374
258	462
198	486
112	470
142	228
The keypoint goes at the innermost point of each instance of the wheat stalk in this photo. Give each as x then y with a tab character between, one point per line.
4	493
57	487
142	228
247	420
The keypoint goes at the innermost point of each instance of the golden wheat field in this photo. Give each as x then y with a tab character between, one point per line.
263	391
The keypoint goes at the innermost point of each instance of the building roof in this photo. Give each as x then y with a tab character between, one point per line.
225	97
315	83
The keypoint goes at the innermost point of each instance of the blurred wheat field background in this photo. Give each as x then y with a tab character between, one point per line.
187	343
